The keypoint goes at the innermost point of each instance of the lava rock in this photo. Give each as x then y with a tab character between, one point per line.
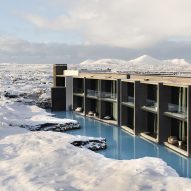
52	127
92	144
45	104
9	95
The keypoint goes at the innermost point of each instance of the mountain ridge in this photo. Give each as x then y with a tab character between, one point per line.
144	62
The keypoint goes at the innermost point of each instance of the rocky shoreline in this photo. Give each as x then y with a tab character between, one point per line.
30	99
52	127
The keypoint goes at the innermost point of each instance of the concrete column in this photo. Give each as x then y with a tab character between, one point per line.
69	93
99	98
140	95
102	109
85	98
189	119
121	99
118	102
137	107
163	126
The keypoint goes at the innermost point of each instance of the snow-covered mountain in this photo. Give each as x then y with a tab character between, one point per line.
142	63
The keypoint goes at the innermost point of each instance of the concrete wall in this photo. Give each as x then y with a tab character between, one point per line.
163	79
60	81
58	95
106	76
71	73
69	93
58	69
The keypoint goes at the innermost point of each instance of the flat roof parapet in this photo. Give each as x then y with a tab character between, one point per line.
144	78
164	79
107	75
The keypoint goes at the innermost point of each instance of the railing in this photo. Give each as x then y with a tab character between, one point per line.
93	93
130	99
109	95
151	103
78	90
174	108
99	94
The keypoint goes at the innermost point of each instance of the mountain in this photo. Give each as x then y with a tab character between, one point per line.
140	64
106	63
145	59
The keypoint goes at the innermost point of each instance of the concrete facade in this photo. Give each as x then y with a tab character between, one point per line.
156	108
58	95
58	91
58	78
69	92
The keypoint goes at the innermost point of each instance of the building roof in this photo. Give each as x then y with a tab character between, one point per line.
143	78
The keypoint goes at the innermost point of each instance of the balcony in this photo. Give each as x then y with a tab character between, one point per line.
151	106
129	102
180	147
78	91
176	111
127	119
78	104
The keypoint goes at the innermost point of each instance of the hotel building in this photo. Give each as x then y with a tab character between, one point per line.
154	107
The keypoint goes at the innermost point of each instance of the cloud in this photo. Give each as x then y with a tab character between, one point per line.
126	23
21	51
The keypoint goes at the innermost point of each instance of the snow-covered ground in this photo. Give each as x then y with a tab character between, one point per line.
31	117
46	160
19	79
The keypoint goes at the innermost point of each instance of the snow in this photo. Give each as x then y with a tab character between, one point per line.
140	64
47	160
16	114
33	80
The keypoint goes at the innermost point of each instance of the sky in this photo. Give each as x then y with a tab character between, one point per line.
71	31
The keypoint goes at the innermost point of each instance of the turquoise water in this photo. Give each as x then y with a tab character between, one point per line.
121	145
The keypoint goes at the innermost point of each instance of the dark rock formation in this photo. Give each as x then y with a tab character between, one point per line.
45	103
92	144
9	95
30	99
52	127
